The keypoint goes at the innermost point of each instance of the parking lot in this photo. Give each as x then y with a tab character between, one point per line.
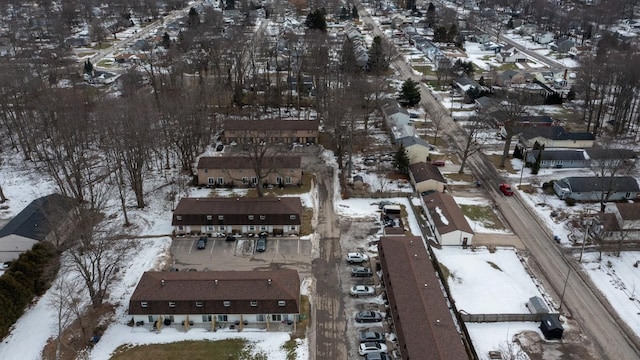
240	254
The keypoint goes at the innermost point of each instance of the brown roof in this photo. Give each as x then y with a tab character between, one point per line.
212	288
629	211
422	171
449	210
235	211
270	125
244	162
609	221
422	318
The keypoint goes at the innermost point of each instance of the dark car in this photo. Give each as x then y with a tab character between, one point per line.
202	243
377	356
368	316
230	238
371	336
261	244
361	271
438	163
220	147
427	192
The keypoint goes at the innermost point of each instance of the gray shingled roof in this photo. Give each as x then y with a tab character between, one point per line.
412	140
610	154
552	133
596	183
39	217
558	154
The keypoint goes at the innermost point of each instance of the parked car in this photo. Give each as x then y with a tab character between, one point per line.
371	347
384	203
427	192
202	243
230	238
261	244
371	336
506	189
361	271
377	356
362	290
355	257
220	147
368	316
438	163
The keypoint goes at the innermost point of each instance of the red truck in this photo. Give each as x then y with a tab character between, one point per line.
506	189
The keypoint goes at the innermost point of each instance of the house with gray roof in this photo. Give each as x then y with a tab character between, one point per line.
554	137
41	220
417	149
558	159
216	299
597	188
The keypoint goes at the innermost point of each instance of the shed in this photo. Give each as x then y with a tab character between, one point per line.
358	182
551	327
537	306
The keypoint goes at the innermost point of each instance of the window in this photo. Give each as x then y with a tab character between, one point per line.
287	180
172	304
220	217
254	180
198	303
260	317
262	217
226	303
210	228
151	319
143	304
281	303
220	181
209	217
220	228
278	180
276	317
178	217
223	318
252	228
180	228
245	180
292	217
250	217
211	181
206	318
263	228
254	303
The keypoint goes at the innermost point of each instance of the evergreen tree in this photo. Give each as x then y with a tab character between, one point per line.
410	4
354	13
401	160
88	67
452	33
431	15
378	62
194	18
440	34
535	167
410	93
316	20
344	13
166	40
481	80
348	59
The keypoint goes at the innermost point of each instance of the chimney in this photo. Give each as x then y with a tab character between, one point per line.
269	281
162	282
215	282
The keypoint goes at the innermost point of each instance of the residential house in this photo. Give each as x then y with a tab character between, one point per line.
619	222
425	176
398	120
567	158
510	54
446	220
510	77
486	104
528	29
597	188
562	45
554	137
239	171
277	216
417	149
604	158
272	131
44	219
524	122
465	84
216	299
543	39
421	315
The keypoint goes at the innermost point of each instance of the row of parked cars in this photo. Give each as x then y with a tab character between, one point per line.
372	344
261	243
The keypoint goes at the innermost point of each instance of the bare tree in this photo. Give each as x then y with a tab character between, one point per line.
262	152
513	107
473	143
99	252
511	351
66	299
437	121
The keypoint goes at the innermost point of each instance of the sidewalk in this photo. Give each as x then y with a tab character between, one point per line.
493	240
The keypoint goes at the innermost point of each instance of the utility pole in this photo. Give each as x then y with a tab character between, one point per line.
588	222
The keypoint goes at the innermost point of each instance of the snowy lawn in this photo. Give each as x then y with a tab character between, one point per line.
482	282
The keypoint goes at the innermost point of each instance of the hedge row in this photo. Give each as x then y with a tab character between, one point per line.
27	277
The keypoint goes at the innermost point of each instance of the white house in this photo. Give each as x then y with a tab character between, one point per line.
446	220
425	177
417	149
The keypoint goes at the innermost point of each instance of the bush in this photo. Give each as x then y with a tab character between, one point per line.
570	201
29	276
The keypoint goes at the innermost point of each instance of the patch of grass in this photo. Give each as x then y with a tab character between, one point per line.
302	189
83	54
236	349
290	347
102	46
105	63
425	70
495	160
482	214
459	177
507	66
306	228
493	265
445	272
